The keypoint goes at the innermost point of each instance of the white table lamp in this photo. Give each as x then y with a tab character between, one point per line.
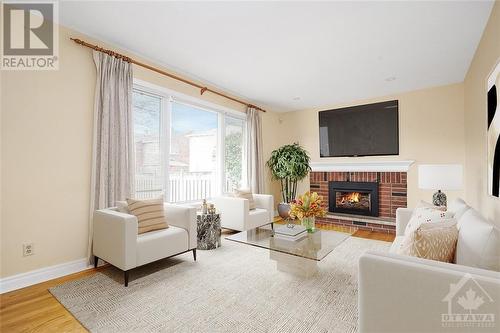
440	177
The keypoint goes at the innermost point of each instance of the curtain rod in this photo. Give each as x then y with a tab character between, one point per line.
203	89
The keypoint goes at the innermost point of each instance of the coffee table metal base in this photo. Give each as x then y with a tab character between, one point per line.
294	265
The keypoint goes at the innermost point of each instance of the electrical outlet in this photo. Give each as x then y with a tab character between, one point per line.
28	249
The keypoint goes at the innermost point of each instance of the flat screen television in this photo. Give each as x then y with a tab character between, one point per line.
364	130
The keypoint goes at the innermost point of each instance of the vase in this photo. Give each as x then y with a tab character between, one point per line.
284	210
309	224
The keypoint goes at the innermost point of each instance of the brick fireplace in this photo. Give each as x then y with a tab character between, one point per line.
391	194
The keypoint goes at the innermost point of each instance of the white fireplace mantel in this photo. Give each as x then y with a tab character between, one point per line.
365	166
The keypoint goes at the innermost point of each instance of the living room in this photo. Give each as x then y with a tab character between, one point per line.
319	166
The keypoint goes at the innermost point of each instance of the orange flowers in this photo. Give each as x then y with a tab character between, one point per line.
307	205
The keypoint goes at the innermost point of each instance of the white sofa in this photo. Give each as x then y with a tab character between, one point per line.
116	240
236	215
398	293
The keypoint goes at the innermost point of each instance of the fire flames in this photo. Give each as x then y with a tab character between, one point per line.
351	198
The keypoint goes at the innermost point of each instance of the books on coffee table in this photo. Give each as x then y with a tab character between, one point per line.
291	234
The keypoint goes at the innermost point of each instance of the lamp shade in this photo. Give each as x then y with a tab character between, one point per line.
440	176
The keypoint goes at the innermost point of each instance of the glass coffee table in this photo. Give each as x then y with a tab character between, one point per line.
299	257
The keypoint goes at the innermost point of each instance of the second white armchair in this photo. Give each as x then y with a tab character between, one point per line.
237	215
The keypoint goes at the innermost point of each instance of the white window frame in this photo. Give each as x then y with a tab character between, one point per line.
167	97
243	151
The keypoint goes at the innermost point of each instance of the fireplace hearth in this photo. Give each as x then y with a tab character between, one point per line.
360	198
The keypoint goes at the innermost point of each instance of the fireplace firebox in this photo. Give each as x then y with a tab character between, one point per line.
360	198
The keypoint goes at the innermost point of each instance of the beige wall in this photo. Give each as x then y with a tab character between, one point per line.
46	133
274	135
431	125
485	59
46	146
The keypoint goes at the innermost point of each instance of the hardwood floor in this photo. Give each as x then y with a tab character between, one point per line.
356	232
34	309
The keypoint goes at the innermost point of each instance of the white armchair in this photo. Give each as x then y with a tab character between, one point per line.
116	240
236	215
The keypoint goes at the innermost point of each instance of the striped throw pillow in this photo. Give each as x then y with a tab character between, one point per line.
150	214
245	194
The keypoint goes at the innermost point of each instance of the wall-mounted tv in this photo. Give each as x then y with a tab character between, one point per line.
364	130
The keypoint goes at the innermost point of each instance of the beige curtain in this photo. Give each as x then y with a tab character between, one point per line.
113	150
255	165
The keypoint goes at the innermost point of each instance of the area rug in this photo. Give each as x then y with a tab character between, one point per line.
235	288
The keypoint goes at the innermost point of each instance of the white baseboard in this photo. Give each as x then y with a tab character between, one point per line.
22	280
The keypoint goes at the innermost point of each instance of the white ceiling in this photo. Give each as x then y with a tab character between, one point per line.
295	55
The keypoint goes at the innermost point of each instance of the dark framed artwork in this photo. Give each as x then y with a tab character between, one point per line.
493	132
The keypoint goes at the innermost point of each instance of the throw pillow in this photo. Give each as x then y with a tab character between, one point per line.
150	214
426	213
245	194
122	207
478	242
458	207
434	241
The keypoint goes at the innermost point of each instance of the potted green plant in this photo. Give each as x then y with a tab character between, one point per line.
289	164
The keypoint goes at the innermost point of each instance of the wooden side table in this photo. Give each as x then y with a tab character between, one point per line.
209	231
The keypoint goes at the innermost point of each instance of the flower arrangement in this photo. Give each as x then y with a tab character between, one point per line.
307	205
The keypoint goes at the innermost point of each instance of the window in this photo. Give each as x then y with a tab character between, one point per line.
233	153
148	171
185	150
193	153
